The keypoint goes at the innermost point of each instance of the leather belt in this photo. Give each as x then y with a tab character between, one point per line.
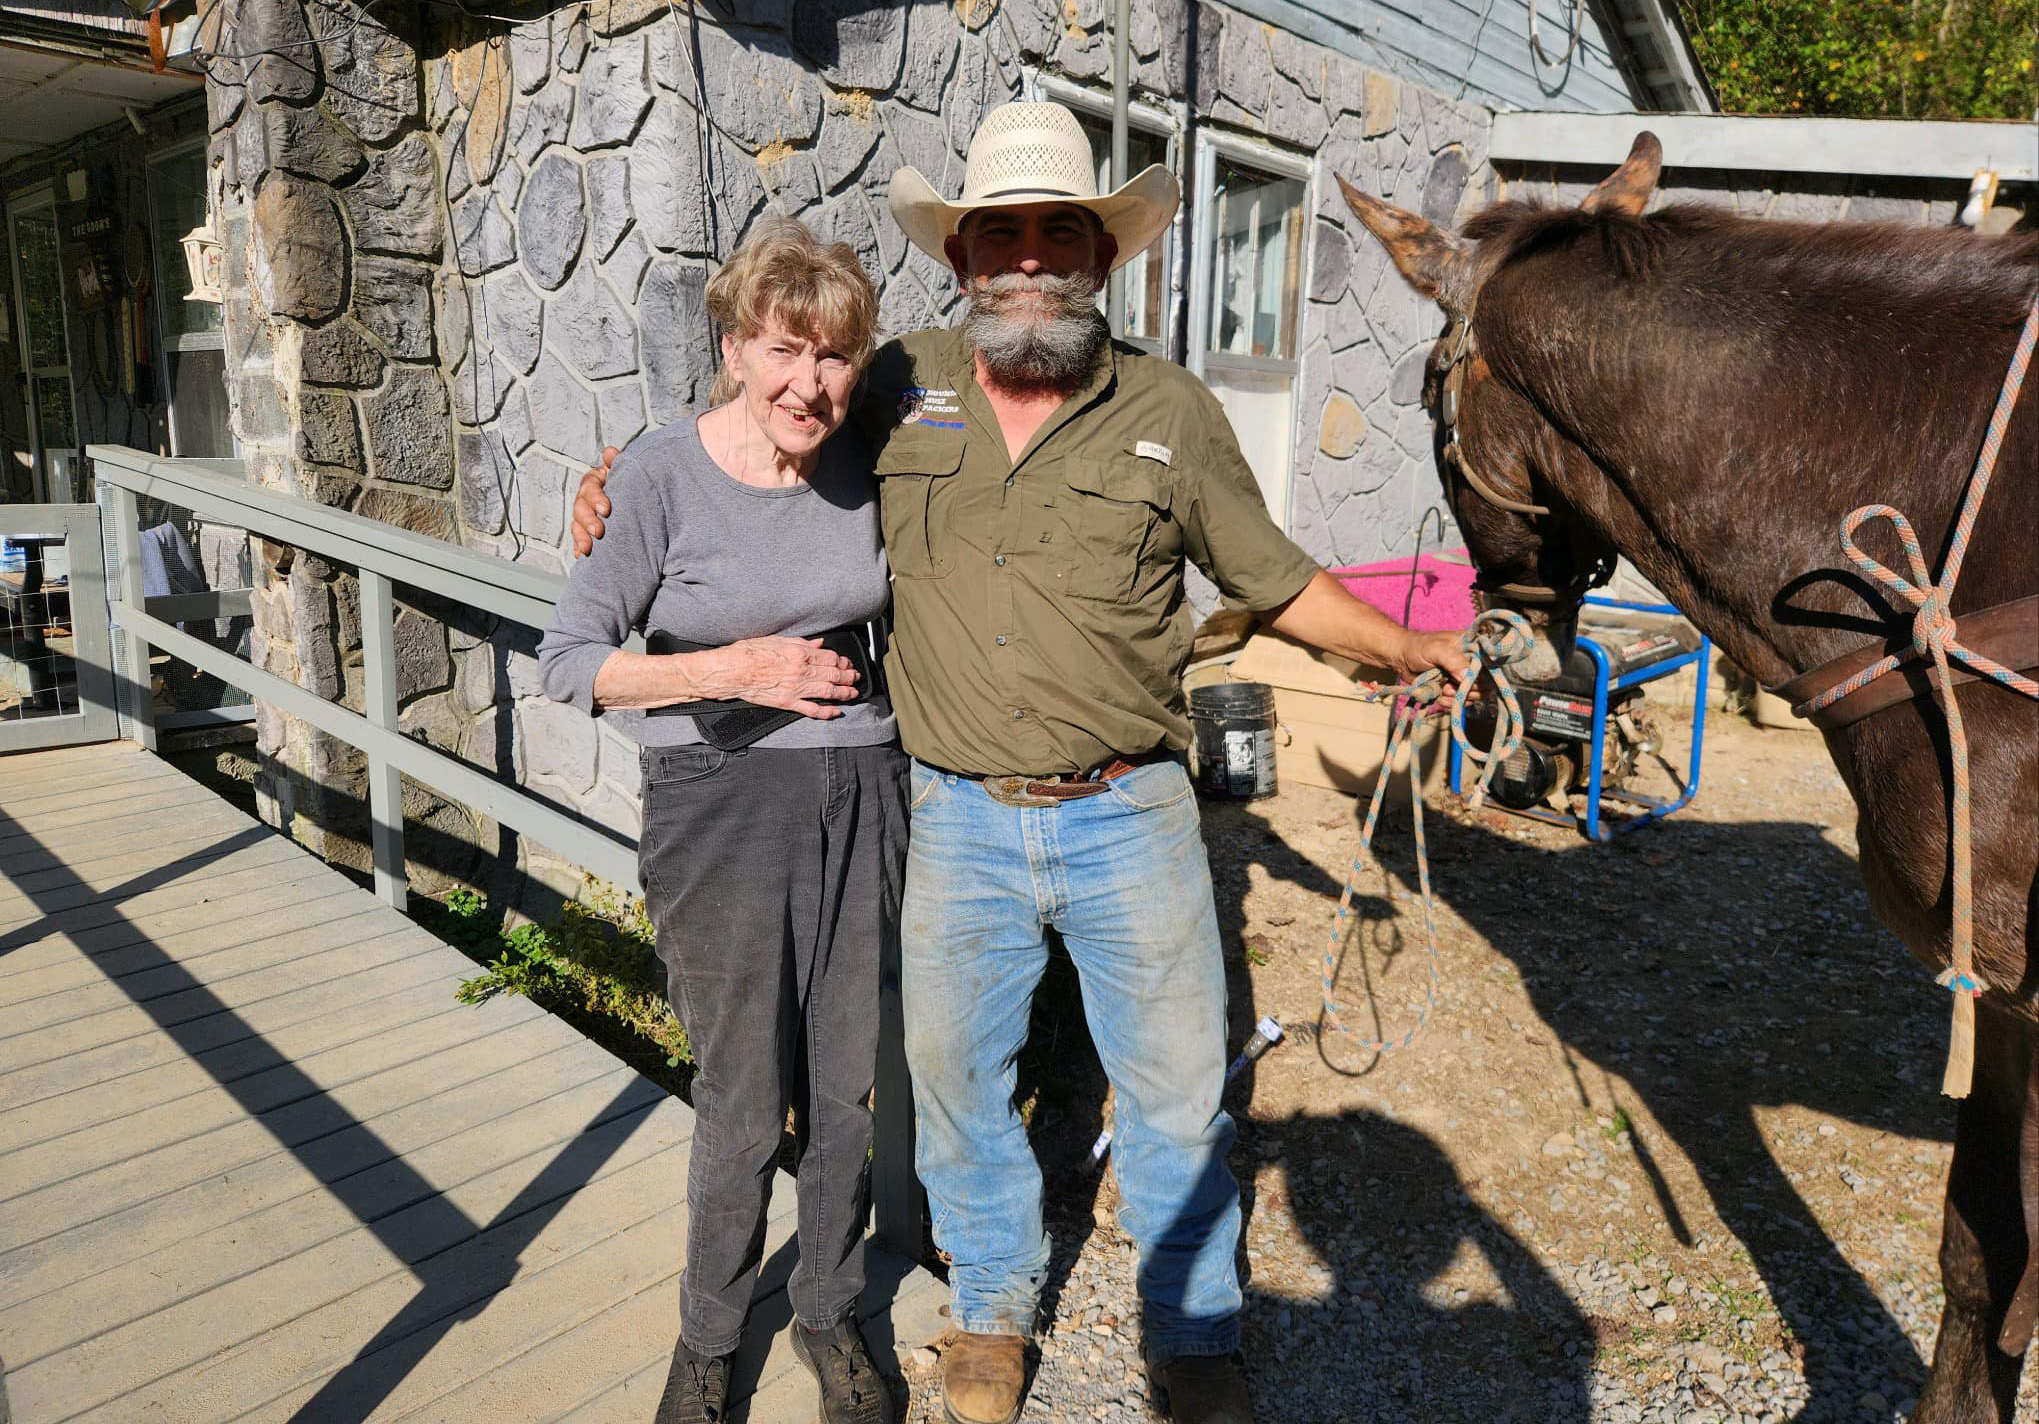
1054	790
2007	633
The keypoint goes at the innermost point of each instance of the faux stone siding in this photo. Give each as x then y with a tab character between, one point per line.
331	213
588	197
591	193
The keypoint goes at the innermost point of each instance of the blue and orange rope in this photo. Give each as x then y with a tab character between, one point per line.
1496	638
1934	638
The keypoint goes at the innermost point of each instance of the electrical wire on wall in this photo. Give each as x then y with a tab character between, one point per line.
1571	44
1479	33
704	125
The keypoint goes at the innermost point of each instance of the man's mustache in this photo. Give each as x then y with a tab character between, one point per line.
1070	292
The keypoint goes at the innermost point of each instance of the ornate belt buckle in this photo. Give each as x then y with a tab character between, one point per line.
1012	791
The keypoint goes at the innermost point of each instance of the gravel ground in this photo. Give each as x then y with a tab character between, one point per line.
1669	1148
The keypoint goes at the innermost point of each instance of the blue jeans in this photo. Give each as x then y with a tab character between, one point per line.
1123	877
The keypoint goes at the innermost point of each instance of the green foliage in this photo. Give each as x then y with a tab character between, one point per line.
1916	59
595	967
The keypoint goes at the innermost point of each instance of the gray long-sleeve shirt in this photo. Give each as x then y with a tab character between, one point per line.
692	552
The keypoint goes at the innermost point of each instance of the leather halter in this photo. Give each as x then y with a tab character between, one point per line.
1455	367
2007	633
1454	371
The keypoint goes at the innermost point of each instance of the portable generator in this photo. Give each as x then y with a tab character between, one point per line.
1586	731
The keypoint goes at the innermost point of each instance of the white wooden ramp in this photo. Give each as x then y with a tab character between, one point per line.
257	1163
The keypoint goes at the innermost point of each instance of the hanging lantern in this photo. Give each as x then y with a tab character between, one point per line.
201	261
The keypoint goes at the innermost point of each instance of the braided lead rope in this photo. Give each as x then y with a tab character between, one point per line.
1933	637
1485	651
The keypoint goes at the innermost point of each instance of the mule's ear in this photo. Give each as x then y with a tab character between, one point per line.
1627	189
1434	261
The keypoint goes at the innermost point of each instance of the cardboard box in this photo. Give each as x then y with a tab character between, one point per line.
1325	734
1770	710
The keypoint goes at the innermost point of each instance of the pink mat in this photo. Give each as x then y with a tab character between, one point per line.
1444	590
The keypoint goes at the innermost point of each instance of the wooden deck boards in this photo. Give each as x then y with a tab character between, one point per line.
256	1162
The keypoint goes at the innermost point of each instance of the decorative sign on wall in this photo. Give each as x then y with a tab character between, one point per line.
91	273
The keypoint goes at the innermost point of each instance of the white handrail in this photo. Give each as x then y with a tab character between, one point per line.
383	555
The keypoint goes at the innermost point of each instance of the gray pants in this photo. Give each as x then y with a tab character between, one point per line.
773	880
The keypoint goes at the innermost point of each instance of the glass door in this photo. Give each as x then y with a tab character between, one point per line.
45	346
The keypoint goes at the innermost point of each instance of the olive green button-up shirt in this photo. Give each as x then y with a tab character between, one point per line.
1040	623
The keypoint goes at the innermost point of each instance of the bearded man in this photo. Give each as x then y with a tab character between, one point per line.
1042	487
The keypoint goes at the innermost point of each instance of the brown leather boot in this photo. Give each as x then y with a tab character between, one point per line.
983	1377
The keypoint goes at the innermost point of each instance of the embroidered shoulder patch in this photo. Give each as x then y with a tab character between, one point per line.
923	404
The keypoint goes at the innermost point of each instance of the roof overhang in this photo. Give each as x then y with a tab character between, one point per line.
1895	148
49	95
1650	42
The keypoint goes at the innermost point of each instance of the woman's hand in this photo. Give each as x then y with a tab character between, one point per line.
796	674
591	506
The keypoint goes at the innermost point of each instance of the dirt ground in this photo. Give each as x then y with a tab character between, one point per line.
1670	1144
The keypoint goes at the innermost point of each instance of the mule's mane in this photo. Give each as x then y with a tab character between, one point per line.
1897	262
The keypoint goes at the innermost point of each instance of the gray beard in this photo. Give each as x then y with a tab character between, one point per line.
1053	351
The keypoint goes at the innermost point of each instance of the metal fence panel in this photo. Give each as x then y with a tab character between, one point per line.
56	672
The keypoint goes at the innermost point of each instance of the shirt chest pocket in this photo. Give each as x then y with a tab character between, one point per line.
1116	520
913	471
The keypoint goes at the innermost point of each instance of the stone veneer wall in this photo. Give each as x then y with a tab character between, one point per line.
463	256
331	212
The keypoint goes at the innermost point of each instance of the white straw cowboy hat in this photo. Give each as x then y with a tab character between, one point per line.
1034	153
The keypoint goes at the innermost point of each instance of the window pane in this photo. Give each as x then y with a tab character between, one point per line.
42	288
1257	263
198	401
1147	273
177	205
53	412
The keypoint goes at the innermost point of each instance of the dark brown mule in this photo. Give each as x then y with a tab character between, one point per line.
1710	396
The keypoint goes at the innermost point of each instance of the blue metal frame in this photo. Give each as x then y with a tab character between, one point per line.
1654	808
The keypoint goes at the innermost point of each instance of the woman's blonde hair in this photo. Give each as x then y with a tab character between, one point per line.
783	273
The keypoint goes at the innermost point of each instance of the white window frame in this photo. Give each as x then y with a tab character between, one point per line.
184	340
1156	121
1211	144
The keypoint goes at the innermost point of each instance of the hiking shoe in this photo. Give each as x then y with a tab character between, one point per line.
1204	1389
852	1391
697	1389
983	1377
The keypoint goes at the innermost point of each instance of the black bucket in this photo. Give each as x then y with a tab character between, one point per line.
1234	727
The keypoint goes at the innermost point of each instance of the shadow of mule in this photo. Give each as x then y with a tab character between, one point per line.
1714	1010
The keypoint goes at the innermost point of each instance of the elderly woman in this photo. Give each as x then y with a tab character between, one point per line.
774	816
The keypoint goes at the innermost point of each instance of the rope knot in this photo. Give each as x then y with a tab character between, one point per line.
1962	982
1497	636
1933	625
1425	692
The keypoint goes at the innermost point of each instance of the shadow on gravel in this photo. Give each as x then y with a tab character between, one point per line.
1382	1207
1716	970
1721	969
